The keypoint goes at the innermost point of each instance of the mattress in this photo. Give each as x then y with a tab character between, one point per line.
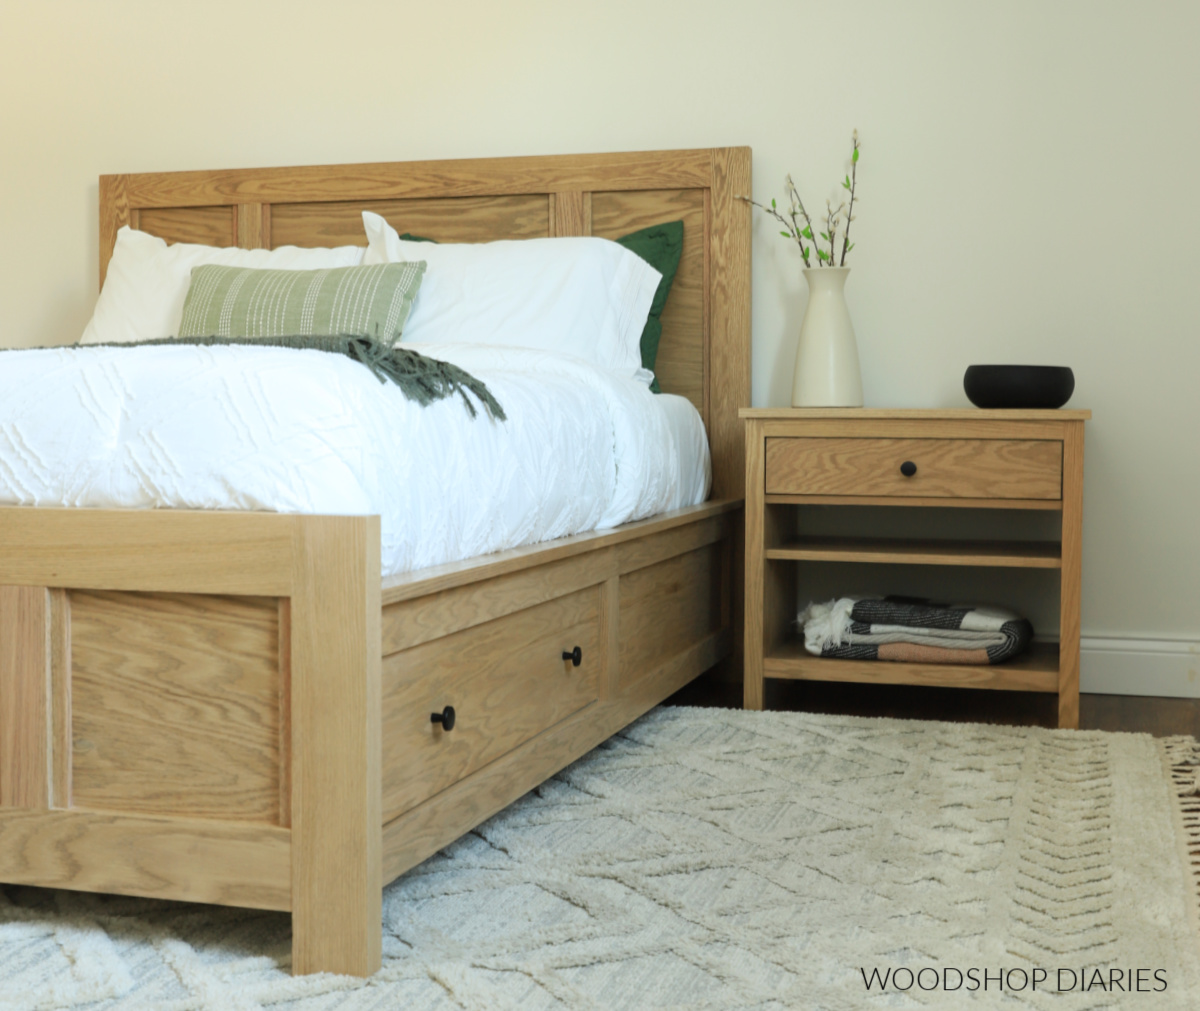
251	428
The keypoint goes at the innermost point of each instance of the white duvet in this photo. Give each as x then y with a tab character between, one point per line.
305	431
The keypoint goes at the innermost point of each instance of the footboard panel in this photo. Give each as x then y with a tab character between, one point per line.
140	744
175	704
189	709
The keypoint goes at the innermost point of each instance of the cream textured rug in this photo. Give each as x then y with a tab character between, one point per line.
710	858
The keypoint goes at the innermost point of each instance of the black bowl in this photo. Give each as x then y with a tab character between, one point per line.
1019	385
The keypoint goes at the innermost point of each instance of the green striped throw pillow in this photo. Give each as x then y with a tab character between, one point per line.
371	301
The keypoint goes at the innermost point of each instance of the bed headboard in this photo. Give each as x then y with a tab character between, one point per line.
705	349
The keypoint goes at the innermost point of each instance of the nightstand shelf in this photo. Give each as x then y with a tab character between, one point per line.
1035	671
1022	463
999	554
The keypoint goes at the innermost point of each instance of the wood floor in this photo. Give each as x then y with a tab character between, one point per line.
1161	717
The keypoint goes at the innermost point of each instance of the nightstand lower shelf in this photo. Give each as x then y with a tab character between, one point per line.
1035	671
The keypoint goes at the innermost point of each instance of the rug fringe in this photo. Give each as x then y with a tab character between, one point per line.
1183	759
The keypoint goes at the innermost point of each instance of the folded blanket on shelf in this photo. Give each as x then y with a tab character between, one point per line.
893	628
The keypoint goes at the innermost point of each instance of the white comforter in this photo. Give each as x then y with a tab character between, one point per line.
304	431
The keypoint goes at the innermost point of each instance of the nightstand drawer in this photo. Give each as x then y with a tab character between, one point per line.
932	468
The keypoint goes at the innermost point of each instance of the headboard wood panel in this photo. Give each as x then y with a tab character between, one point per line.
209	226
705	349
458	219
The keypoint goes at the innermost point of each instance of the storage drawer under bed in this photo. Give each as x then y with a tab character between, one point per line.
506	680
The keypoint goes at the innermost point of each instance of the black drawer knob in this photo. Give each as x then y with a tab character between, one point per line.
575	656
908	468
445	718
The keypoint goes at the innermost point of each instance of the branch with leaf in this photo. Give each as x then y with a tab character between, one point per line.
798	226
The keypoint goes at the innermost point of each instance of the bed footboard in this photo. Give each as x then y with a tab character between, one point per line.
231	708
189	709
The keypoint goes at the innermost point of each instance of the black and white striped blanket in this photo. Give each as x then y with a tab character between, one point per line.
897	628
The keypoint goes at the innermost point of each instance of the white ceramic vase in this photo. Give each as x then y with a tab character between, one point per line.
827	357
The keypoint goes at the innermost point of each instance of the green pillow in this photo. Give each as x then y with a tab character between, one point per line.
660	246
372	301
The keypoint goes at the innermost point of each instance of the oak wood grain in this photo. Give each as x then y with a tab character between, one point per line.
610	637
336	746
666	544
227	863
852	415
443	219
1035	671
665	608
166	550
1071	588
285	710
676	670
468	177
440	577
949	468
971	427
882	550
728	368
507	682
60	698
1050	505
175	704
727	337
24	697
572	213
252	225
410	623
206	226
754	632
114	213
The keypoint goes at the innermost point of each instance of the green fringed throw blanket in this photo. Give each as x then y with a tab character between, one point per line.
419	378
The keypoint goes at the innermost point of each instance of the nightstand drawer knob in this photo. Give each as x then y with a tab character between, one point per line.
575	656
445	718
908	468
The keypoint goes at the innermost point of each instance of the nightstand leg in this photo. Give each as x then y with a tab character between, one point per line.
1072	577
752	673
752	692
1068	709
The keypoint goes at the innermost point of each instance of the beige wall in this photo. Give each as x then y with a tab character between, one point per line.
1026	179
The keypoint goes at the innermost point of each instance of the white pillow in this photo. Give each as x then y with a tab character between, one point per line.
147	281
586	297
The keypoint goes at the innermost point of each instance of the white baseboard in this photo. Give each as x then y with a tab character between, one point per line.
1129	666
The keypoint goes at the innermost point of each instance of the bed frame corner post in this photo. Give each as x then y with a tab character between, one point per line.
729	360
114	212
337	862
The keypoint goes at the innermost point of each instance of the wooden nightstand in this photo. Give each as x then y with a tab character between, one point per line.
989	460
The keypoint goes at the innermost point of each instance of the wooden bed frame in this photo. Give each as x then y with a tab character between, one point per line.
233	707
